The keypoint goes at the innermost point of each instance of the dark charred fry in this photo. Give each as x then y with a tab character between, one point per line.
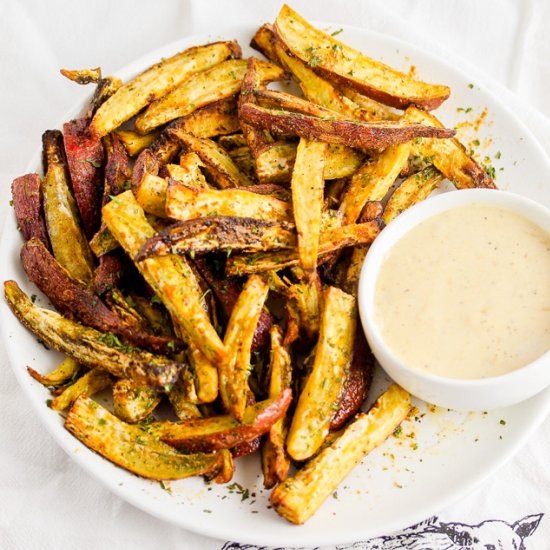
132	447
105	88
109	272
223	432
202	235
27	204
85	156
330	241
90	347
353	133
118	173
357	384
75	300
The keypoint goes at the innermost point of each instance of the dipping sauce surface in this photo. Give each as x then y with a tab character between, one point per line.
466	293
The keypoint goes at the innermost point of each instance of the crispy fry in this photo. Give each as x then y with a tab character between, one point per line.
220	233
92	382
174	283
275	460
157	81
133	402
449	156
27	204
180	399
320	394
75	300
64	372
206	375
132	447
306	297
216	160
151	194
333	58
297	498
90	347
234	372
223	432
82	76
307	200
330	241
185	203
133	142
374	108
264	42
373	180
109	272
67	237
353	133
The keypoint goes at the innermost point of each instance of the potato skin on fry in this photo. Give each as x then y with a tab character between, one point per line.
354	133
27	204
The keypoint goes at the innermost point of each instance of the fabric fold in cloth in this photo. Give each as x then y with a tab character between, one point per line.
48	501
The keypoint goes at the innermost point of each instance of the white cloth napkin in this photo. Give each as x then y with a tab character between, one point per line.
47	501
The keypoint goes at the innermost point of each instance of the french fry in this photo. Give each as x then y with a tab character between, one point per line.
319	397
66	234
299	496
307	200
306	296
331	57
185	203
275	460
133	142
63	373
264	41
376	109
413	189
157	81
239	334
449	156
181	400
174	283
92	382
206	375
90	347
103	242
132	402
220	233
216	160
151	194
330	241
223	432
82	76
373	180
333	129
132	447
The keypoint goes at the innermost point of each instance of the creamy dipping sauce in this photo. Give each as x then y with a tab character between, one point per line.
466	293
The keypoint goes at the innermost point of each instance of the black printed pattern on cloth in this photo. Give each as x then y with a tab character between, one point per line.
491	534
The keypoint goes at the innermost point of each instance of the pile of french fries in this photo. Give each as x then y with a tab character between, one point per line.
200	236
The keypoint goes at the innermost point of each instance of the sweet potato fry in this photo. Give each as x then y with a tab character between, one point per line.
132	447
109	272
27	204
353	133
157	81
308	188
223	432
320	394
299	496
90	347
75	300
331	57
330	241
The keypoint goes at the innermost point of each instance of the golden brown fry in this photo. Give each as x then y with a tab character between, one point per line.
156	81
82	76
206	375
374	108
132	447
264	42
183	397
412	190
185	203
133	402
92	382
275	460
133	142
330	241
449	156
331	57
298	498
321	392
65	371
151	194
307	300
373	180
174	283
234	372
307	200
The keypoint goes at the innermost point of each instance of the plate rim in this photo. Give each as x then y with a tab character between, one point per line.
67	442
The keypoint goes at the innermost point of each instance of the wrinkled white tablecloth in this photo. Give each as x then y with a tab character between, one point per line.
46	500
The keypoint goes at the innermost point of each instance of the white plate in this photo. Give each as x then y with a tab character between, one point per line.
440	456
